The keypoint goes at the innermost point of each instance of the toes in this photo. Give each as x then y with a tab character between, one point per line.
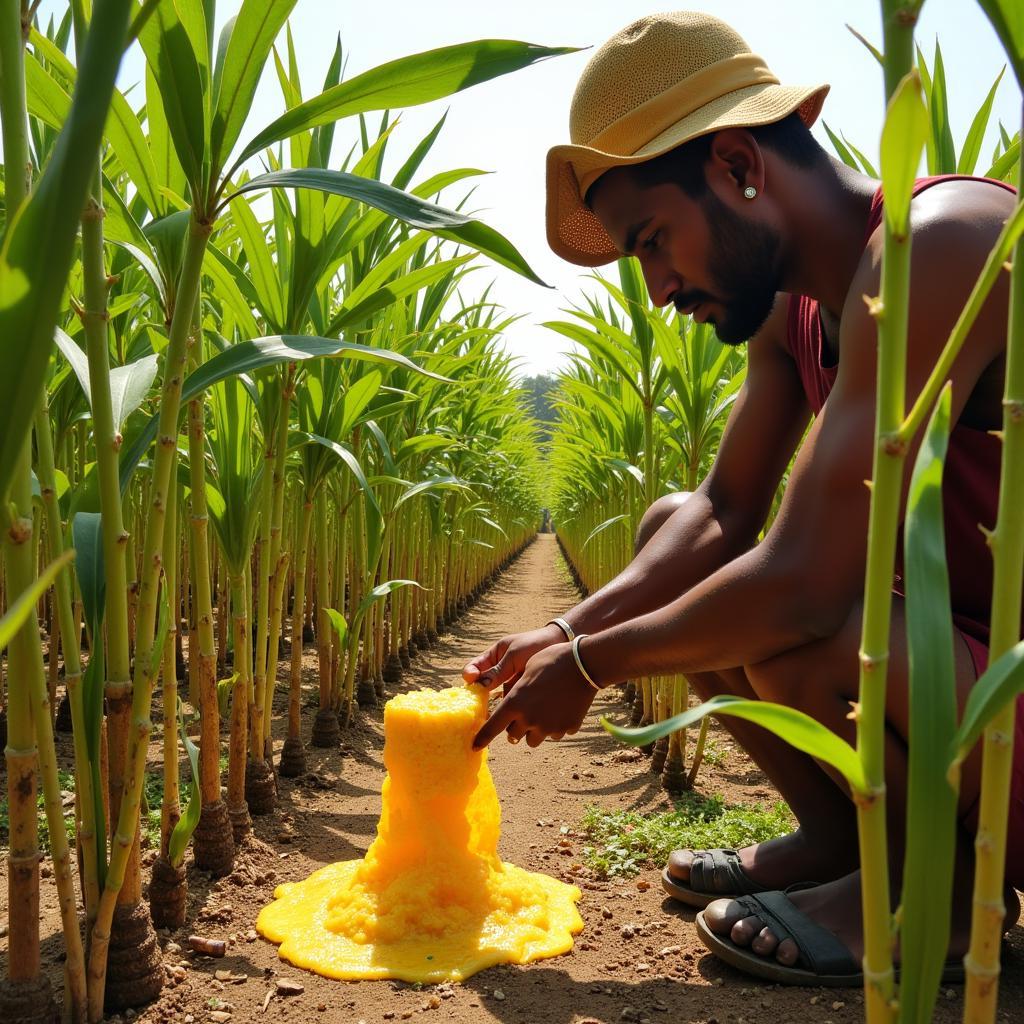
765	943
721	915
787	954
746	930
679	862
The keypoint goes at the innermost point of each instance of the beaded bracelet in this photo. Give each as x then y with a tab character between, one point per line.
579	660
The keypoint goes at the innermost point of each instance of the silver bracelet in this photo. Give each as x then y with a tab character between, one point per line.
570	633
579	661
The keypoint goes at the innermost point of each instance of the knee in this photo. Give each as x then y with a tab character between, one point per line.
655	517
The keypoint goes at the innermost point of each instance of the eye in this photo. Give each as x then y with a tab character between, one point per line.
650	243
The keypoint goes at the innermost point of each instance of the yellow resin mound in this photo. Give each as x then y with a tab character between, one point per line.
430	901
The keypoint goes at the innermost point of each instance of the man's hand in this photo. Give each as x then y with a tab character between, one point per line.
551	699
503	663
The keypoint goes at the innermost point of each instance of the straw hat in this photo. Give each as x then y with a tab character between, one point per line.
661	81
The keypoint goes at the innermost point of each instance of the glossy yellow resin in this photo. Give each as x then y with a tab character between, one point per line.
430	901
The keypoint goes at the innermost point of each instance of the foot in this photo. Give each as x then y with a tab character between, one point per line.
836	907
780	863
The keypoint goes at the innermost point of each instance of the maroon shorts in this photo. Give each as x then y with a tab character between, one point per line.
976	638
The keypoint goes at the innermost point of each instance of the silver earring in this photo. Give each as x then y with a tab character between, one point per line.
750	192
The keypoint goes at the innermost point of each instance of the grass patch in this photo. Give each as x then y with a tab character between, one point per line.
66	781
620	843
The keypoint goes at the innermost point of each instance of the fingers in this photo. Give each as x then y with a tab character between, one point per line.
502	717
484	662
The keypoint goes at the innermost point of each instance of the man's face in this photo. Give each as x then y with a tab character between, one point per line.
701	255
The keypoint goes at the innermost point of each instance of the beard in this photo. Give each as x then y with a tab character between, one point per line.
744	266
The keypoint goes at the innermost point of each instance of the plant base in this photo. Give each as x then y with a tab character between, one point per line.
393	669
326	731
674	779
293	758
260	787
404	658
366	692
433	637
62	722
168	893
379	686
659	755
28	1002
638	708
629	692
241	823
135	968
213	845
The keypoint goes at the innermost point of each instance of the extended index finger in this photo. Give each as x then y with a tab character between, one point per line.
501	718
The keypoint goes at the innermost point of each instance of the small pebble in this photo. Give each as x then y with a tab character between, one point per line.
498	994
288	987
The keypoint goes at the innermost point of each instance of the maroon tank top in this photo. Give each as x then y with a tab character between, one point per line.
970	487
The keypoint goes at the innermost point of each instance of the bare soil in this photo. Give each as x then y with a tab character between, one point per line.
638	958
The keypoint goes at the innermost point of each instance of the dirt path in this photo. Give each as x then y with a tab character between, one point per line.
638	958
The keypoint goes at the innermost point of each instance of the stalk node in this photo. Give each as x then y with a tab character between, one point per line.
20	530
869	662
894	445
876	307
1014	409
1008	266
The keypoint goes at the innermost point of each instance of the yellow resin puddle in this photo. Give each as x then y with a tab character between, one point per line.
430	901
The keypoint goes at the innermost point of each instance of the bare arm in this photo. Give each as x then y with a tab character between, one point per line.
723	516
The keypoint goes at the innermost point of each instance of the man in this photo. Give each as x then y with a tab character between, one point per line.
689	155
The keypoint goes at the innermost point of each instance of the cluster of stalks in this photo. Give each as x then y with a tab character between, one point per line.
271	417
640	413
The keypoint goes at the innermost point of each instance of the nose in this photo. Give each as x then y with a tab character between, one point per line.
662	282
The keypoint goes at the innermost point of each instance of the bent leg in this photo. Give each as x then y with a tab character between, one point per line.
821	679
824	847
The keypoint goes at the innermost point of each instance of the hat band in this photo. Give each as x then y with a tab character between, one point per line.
627	134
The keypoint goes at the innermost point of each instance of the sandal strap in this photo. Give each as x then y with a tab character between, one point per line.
719	872
820	950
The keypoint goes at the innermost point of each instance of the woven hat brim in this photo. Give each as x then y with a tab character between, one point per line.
575	234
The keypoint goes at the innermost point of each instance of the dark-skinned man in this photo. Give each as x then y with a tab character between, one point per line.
689	155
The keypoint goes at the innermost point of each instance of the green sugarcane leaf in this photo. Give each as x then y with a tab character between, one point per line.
340	626
869	167
22	606
406	82
449	224
264	275
840	147
381	591
931	801
1000	683
87	537
1005	164
796	728
443	483
870	47
903	138
244	47
45	96
129	386
976	133
38	246
348	457
173	59
77	360
1007	17
187	823
247	356
601	527
938	108
233	289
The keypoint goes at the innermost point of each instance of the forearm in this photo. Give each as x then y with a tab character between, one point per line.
692	543
750	610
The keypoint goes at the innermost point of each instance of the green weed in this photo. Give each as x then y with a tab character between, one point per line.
620	843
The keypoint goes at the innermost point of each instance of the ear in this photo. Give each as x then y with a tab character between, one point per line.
735	161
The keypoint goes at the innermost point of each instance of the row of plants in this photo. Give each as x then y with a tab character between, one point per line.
249	402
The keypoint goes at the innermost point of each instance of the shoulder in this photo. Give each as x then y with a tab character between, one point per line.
954	226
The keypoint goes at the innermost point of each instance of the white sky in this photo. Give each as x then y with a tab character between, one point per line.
506	125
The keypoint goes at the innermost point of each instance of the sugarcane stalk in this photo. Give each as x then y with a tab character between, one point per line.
1006	542
170	808
68	625
167	442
